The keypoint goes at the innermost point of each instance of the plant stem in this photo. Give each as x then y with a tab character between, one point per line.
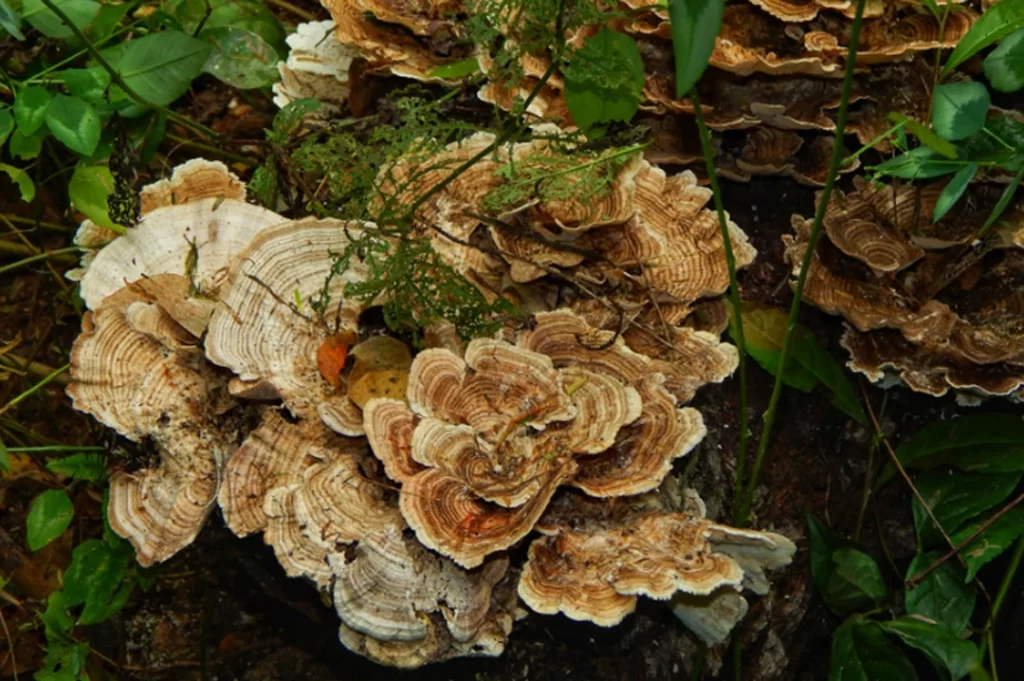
209	149
81	53
871	143
297	11
41	256
734	298
116	79
38	386
1004	588
794	311
45	225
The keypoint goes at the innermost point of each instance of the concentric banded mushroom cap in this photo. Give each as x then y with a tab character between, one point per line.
260	332
148	382
193	225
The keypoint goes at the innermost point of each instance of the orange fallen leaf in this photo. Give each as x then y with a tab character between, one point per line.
331	356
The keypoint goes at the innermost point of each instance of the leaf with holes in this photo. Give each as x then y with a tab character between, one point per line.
96	572
26	186
959	109
83	466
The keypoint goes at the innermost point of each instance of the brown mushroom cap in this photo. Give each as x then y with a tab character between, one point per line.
150	383
261	335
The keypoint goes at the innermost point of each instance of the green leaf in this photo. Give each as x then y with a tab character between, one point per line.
30	109
604	79
990	443
89	84
996	538
917	164
5	461
55	618
88	189
255	17
959	109
941	646
1004	201
74	122
160	67
942	596
80	12
925	135
6	124
809	363
984	148
27	147
862	652
9	21
94	576
957	497
24	181
83	466
241	58
48	516
995	24
952	192
847	578
1004	68
695	25
456	70
288	119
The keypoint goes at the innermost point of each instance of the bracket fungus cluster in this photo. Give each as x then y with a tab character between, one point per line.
408	487
771	93
936	306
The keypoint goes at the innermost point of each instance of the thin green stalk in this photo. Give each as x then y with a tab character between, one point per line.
117	80
45	225
34	389
38	257
1004	589
734	297
871	143
812	242
81	53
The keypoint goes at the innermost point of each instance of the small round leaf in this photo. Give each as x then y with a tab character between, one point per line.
960	109
50	514
74	122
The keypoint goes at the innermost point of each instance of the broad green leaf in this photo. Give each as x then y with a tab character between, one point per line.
6	125
255	17
89	84
93	578
74	122
996	538
995	24
83	466
809	363
604	79
952	192
990	443
956	497
27	147
695	25
942	596
24	181
984	147
941	646
456	70
241	58
30	109
917	164
160	67
925	135
959	109
107	21
55	618
847	578
1004	68
9	21
88	190
48	516
80	12
862	652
